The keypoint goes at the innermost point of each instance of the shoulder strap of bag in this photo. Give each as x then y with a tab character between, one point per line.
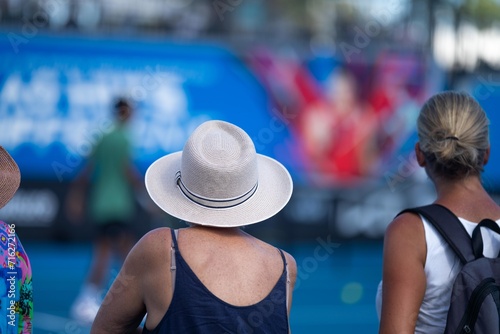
449	227
477	239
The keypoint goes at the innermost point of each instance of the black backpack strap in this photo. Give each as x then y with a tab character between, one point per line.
450	228
477	239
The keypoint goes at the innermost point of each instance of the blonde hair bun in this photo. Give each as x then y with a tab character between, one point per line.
453	132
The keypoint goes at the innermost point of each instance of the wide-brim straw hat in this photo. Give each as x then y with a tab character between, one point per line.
219	180
10	177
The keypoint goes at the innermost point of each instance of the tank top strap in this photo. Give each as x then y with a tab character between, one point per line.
173	262
175	234
282	256
285	265
287	291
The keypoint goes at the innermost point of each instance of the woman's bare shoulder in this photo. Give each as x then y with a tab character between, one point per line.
290	260
405	235
405	224
157	235
152	245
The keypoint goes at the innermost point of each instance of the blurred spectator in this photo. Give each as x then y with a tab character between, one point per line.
111	207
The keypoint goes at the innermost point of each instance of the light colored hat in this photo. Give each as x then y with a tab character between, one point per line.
219	180
10	177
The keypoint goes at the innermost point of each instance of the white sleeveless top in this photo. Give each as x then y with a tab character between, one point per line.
441	268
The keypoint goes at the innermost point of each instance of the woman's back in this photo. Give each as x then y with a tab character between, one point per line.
234	266
441	267
225	279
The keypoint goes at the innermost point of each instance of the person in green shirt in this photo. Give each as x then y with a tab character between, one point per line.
111	204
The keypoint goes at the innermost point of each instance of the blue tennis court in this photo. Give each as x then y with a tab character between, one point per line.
335	290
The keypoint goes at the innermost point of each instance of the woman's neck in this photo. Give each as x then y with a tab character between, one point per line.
470	185
464	193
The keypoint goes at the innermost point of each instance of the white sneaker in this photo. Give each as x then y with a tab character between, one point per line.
85	307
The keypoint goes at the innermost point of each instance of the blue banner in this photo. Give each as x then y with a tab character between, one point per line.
56	96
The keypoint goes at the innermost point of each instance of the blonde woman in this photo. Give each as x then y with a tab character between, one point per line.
419	267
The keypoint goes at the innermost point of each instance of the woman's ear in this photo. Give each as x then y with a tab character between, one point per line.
486	156
420	155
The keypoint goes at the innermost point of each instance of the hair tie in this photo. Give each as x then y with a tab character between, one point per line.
452	138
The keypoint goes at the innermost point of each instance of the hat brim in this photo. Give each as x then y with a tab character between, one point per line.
273	193
10	177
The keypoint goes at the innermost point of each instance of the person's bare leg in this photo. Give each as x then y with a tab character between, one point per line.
101	257
85	307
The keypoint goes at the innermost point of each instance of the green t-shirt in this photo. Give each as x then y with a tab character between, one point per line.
111	192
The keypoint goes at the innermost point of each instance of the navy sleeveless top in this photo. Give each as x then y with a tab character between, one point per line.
194	309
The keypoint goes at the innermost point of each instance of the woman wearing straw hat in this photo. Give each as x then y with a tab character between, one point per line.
210	277
16	298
